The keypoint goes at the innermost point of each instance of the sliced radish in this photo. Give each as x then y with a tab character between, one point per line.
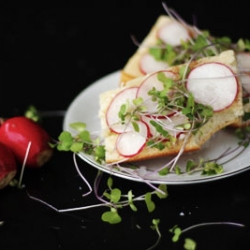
152	130
245	82
132	142
213	84
143	128
112	118
173	33
152	82
243	59
149	64
174	124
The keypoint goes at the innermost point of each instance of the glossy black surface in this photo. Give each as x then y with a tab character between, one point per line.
48	56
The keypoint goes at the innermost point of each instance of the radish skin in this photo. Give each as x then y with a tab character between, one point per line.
17	132
243	59
112	118
8	166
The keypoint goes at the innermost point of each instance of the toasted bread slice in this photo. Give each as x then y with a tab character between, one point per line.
132	68
190	142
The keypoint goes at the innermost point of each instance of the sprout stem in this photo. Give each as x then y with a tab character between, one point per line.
23	165
213	224
83	178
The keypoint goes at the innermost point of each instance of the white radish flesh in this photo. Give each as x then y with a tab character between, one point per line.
152	82
245	82
132	142
149	64
243	59
213	84
112	118
173	33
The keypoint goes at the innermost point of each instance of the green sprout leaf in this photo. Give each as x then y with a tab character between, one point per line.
189	244
110	182
65	141
164	171
99	154
155	223
164	193
115	195
212	168
33	114
123	112
78	126
76	147
112	217
85	136
136	126
130	200
177	232
150	204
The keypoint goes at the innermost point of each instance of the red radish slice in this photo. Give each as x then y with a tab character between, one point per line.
149	64
130	143
213	84
152	82
173	33
152	130
112	118
143	128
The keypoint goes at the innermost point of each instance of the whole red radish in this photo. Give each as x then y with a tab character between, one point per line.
8	166
26	137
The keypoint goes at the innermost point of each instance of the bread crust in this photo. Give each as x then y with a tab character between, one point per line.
195	141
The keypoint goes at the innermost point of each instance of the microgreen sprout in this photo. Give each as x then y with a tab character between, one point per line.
117	200
82	142
189	243
155	226
129	111
32	113
206	167
202	44
177	232
112	216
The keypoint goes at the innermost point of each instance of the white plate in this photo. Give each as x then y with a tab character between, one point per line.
84	108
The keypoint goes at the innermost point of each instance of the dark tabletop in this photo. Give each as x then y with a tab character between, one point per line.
48	56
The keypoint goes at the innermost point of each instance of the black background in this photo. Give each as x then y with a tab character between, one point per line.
49	54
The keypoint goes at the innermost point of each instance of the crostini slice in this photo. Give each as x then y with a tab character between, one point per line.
171	111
